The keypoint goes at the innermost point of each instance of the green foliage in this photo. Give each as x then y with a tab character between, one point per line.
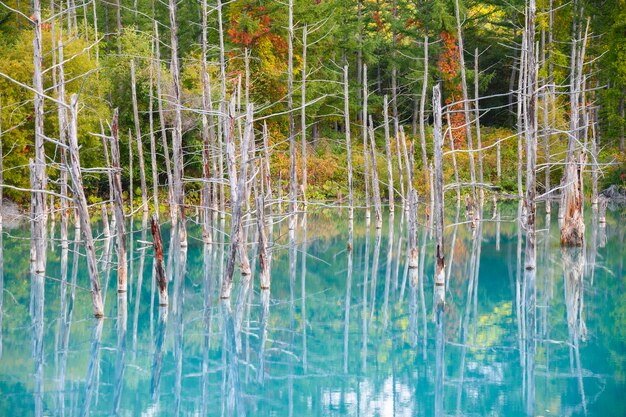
17	111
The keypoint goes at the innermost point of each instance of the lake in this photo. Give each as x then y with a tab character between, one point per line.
346	330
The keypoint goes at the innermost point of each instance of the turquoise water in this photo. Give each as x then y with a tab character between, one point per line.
329	340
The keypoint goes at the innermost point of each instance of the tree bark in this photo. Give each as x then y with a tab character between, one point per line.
365	151
142	166
120	221
375	181
177	134
346	115
438	214
390	187
166	151
81	206
159	265
466	107
303	115
293	181
423	110
38	166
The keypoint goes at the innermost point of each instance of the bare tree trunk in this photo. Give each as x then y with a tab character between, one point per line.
520	113
360	67
573	227
346	115
38	177
223	110
478	137
177	134
206	157
159	266
365	152
466	106
120	221
237	195
303	115
440	264
293	181
375	182
264	259
390	187
530	129
572	233
452	152
268	182
594	163
81	206
166	152
118	15
423	110
153	158
131	188
621	114
95	30
1	210
142	166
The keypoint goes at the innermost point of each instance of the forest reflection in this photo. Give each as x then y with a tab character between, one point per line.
347	328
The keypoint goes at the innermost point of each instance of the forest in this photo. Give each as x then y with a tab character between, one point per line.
257	207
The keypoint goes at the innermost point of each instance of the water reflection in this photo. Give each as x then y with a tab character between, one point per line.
346	328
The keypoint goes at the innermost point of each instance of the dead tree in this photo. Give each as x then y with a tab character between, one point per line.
166	152
375	181
365	152
153	158
159	265
573	226
423	110
303	115
264	259
177	134
237	196
388	152
293	181
440	264
81	206
477	116
346	115
118	204
206	136
142	165
466	109
530	131
38	177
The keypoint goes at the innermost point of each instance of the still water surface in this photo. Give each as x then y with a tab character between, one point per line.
341	333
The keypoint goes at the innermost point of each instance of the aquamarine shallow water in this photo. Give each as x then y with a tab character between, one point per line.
326	342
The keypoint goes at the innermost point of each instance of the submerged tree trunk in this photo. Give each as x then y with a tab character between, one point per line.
303	116
38	177
573	227
237	196
438	197
118	204
159	266
177	134
293	181
81	206
375	182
